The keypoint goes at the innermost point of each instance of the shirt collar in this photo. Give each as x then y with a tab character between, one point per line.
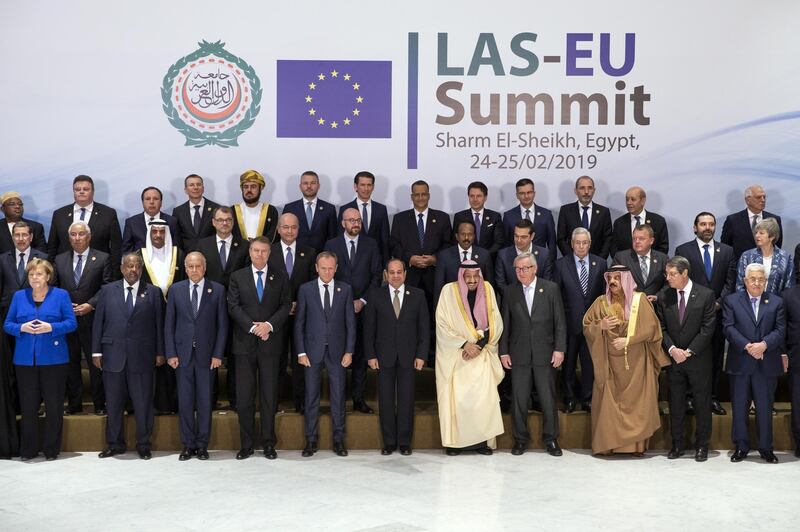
320	284
77	208
750	214
581	206
348	239
532	285
292	246
423	213
255	270
26	251
200	284
402	289
700	243
200	204
686	289
135	285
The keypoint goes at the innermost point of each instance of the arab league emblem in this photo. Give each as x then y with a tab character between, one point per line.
211	96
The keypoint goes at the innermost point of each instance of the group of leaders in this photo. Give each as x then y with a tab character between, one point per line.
315	287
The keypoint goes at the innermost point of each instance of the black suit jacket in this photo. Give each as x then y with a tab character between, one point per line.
134	235
245	308
405	243
378	226
364	271
304	269
723	267
393	340
8	275
323	226
106	235
575	302
270	229
448	262
504	273
531	338
203	336
238	257
493	237
543	226
737	231
655	277
38	242
569	218
791	304
96	272
184	215
697	328
622	237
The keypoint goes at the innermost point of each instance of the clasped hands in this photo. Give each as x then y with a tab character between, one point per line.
262	329
36	327
422	261
347	359
756	350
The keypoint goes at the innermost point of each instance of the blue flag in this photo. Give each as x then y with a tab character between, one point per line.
335	99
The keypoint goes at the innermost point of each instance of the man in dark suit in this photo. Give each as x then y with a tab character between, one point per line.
358	266
259	301
317	217
374	217
127	343
543	226
686	312
396	342
298	264
325	337
532	348
134	234
580	277
739	227
448	260
82	272
645	263
635	200
225	253
585	213
791	363
755	326
489	233
195	331
252	217
522	242
195	215
13	264
713	265
102	220
12	207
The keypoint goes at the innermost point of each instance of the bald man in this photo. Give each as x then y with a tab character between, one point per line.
635	200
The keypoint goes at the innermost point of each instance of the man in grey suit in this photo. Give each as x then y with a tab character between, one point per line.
532	345
646	264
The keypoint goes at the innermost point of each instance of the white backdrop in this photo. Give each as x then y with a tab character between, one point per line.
80	91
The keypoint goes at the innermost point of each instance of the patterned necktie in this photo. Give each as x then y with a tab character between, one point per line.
464	256
21	268
309	215
223	255
260	286
289	261
754	303
707	261
585	217
364	217
421	230
645	267
755	223
477	227
396	303
83	213
129	301
196	220
352	250
681	306
584	277
195	300
326	301
638	220
78	270
527	214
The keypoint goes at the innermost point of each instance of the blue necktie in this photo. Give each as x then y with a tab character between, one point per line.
21	269
223	255
78	270
421	230
289	261
352	250
585	217
309	215
196	220
195	301
129	301
260	286
83	213
477	227
754	302
364	217
707	261
584	275
527	214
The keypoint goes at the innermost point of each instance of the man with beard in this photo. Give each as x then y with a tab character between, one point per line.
251	217
585	213
317	217
12	206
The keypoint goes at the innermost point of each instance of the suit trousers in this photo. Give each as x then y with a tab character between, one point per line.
396	404
166	390
697	381
359	365
794	384
718	356
577	350
195	382
267	366
80	348
760	389
139	387
298	380
544	379
337	377
37	384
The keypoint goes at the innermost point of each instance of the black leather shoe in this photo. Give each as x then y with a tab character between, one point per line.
145	454
51	457
100	411
299	408
797	451
339	449
270	453
202	454
27	458
717	409
536	405
675	452
505	405
449	451
405	450
485	451
689	407
569	407
186	454
244	453
701	454
553	449
587	406
361	406
108	452
768	456
519	449
387	450
738	455
309	449
71	411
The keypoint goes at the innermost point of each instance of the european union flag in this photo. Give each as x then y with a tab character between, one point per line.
335	99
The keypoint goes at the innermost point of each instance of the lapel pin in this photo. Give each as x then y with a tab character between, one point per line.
647	221
538	213
269	219
320	207
693	295
535	252
597	211
433	220
302	254
476	256
338	289
209	290
655	261
541	290
717	250
271	277
766	301
94	258
594	263
143	294
235	244
408	293
209	209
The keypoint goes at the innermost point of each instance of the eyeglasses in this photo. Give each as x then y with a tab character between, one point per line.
353	220
224	220
523	269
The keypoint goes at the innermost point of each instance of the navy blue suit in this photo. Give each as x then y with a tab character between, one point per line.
575	305
751	378
9	281
134	235
737	231
129	345
492	237
323	225
543	226
378	227
37	230
448	262
195	340
504	273
325	338
106	235
791	302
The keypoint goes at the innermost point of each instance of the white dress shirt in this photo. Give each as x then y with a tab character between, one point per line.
642	219
76	213
321	289
588	212
711	249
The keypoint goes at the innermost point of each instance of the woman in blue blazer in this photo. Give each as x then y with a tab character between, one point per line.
40	318
780	265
